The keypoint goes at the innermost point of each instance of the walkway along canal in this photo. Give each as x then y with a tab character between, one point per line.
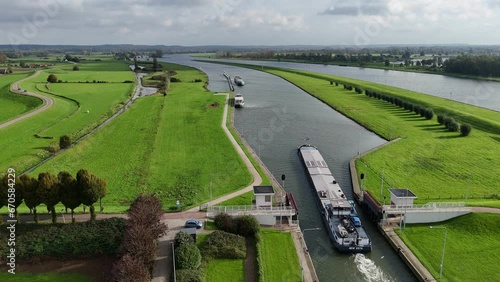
277	118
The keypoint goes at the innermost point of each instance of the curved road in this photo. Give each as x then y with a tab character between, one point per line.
47	102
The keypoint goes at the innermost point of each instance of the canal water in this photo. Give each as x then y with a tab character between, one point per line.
469	91
277	118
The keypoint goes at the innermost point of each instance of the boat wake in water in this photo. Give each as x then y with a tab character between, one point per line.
370	271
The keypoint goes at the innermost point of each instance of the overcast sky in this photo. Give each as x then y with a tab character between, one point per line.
250	22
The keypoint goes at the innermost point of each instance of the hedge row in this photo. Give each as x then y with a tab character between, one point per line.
453	125
102	237
424	112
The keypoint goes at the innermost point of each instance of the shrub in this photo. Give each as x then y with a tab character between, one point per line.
465	129
64	142
66	240
52	78
405	105
367	93
358	90
416	109
247	225
349	87
223	221
222	245
453	126
447	120
174	79
128	81
198	80
336	83
76	68
189	275
421	111
331	82
187	256
182	238
440	118
129	269
429	114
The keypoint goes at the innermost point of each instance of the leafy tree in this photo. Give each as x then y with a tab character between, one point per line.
155	63
453	126
182	238
32	198
64	142
429	114
130	269
52	78
91	188
247	225
136	64
49	192
70	195
76	68
440	118
224	221
386	63
140	243
3	58
465	129
5	190
187	256
147	211
22	64
331	82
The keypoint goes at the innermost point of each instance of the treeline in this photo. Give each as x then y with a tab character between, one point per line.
483	65
86	189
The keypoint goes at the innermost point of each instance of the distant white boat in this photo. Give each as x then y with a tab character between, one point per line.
238	100
238	81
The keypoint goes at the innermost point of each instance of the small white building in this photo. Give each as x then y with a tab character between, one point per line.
263	196
402	198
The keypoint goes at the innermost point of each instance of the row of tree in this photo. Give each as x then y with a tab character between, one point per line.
483	65
139	246
86	189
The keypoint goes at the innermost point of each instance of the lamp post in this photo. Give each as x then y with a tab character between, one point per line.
444	248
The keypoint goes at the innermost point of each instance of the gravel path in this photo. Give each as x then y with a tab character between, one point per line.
47	102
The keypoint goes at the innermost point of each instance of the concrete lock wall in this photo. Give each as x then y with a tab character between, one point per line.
266	219
428	217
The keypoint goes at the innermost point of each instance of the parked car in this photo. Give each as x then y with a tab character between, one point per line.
193	223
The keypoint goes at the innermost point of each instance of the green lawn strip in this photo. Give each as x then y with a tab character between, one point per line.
277	256
48	277
225	270
139	152
241	200
14	105
431	161
471	252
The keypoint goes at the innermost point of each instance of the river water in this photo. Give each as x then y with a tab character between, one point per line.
480	93
277	118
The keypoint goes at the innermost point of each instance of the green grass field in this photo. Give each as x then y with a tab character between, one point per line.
153	159
434	163
225	270
471	252
277	256
13	105
46	277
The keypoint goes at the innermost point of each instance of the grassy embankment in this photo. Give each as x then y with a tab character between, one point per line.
432	162
172	146
277	256
68	115
13	105
471	252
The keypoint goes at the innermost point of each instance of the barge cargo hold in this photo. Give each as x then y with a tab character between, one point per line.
339	216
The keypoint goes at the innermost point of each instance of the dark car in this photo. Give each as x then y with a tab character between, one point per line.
193	223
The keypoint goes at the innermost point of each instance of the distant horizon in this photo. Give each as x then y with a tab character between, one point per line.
253	22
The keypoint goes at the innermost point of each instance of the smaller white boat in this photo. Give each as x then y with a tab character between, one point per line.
238	81
238	100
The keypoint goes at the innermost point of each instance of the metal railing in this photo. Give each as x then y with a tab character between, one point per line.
277	210
438	206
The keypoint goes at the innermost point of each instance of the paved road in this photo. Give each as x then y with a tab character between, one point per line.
47	102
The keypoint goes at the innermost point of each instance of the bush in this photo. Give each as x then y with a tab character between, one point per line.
453	126
198	80
187	256
182	238
465	129
331	82
64	142
421	111
247	226
336	84
189	275
447	121
440	118
429	114
224	222
129	269
52	78
174	79
224	245
358	90
368	93
76	68
128	81
416	109
66	240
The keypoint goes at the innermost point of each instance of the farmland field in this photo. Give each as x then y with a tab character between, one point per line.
13	105
172	146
